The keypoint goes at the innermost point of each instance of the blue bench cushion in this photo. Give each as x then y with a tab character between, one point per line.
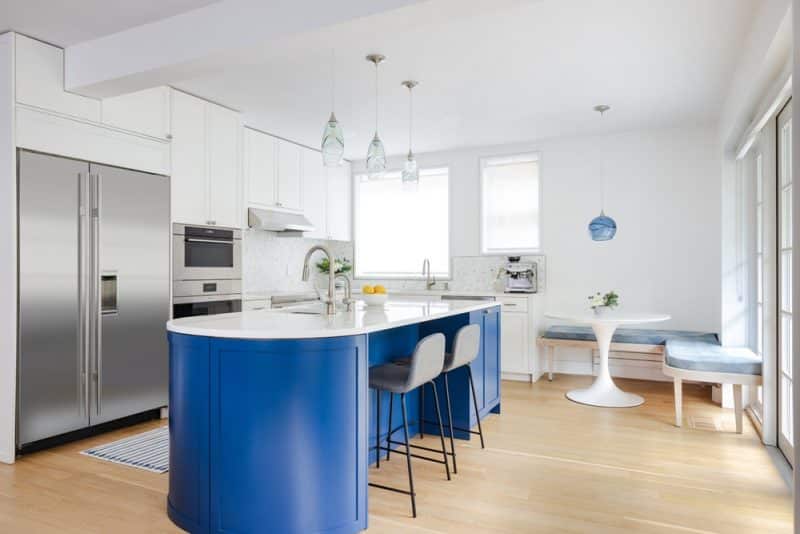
697	355
640	336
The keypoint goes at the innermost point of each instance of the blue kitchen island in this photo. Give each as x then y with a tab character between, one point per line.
271	418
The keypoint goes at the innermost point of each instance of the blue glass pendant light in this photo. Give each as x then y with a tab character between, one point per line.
376	153
602	227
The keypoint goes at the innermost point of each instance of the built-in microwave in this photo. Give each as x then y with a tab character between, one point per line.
206	253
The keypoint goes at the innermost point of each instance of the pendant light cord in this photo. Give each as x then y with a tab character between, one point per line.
333	79
410	116
376	98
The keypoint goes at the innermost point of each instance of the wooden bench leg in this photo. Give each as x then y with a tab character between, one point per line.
550	352
737	406
678	383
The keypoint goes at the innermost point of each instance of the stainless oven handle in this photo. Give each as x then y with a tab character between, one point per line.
215	241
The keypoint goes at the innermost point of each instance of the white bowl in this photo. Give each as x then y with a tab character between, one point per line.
375	299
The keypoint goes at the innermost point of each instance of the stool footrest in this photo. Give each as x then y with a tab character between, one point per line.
434	460
389	488
425	421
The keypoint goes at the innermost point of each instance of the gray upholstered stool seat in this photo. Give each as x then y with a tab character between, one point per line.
701	356
390	377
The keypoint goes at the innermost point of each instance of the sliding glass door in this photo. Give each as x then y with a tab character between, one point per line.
785	312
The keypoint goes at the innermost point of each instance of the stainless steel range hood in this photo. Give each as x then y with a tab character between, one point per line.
278	221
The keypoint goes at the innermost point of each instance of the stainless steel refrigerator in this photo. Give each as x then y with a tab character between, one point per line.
93	294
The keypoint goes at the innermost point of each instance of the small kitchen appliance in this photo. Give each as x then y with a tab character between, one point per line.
520	277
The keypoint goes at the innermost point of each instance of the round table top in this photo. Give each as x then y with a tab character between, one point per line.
608	317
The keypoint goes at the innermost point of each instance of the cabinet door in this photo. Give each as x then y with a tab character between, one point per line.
314	193
40	81
189	185
223	129
290	164
339	203
260	166
145	112
515	342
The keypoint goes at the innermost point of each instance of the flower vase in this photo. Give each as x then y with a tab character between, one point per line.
599	310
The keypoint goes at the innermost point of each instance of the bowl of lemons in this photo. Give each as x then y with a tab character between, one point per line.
374	296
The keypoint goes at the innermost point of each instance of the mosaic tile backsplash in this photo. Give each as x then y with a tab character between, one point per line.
274	264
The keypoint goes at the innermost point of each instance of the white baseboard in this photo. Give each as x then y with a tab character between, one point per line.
517	377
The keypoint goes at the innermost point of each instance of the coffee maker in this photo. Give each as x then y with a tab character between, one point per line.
520	277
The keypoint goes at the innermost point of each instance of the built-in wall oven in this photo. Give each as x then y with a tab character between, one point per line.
206	253
207	274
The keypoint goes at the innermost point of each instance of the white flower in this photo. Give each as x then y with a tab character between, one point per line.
596	300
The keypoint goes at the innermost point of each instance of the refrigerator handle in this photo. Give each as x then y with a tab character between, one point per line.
84	280
97	341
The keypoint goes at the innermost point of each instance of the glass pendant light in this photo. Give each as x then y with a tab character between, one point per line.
376	154
602	227
332	137
410	175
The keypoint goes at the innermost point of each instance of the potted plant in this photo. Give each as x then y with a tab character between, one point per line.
599	303
340	266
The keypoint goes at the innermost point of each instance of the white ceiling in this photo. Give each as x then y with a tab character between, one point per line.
496	72
66	22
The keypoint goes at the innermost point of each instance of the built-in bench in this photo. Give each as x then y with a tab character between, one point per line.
629	340
702	361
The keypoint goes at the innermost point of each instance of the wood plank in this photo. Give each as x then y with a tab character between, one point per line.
550	466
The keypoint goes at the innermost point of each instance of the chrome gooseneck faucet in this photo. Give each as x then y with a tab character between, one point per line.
430	281
330	307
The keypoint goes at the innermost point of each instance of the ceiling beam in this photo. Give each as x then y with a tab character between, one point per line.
200	41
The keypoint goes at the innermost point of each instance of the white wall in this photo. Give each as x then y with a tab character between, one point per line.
8	251
663	189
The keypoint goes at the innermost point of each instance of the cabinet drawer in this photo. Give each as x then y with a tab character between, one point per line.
514	304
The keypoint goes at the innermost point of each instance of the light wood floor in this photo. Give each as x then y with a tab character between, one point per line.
550	466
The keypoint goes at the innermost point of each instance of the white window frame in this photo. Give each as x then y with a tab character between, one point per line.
395	173
520	157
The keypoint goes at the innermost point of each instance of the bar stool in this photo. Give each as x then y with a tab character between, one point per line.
424	366
466	346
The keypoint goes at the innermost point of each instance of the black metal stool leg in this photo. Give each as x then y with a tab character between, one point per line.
422	412
408	457
378	429
389	437
441	428
475	401
450	422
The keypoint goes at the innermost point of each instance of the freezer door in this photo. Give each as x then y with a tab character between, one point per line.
132	293
52	388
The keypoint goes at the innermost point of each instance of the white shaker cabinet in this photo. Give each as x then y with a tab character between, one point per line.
146	112
189	177
40	81
224	156
290	172
260	167
315	190
205	162
339	203
515	341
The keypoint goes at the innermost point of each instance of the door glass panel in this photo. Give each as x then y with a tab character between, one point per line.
785	250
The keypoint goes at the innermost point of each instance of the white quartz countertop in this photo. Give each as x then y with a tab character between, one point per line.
283	324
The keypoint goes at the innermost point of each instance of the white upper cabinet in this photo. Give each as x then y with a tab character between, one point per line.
339	203
40	81
260	167
145	112
315	193
223	128
205	163
189	176
290	172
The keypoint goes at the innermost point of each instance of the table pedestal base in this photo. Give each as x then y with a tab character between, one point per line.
605	393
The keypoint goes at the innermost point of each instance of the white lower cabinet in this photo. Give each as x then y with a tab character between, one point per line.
514	342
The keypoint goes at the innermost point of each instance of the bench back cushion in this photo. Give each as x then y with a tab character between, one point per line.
639	336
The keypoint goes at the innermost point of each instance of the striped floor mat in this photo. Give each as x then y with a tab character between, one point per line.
148	450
